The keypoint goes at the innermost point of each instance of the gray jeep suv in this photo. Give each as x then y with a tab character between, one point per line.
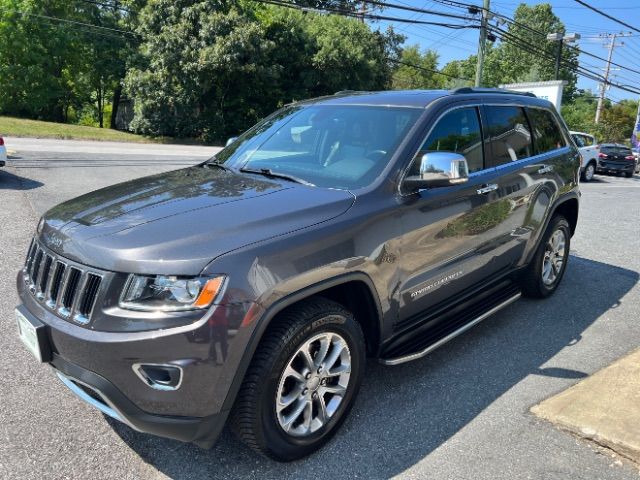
255	286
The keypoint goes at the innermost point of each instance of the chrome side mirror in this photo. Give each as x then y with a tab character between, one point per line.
230	141
439	169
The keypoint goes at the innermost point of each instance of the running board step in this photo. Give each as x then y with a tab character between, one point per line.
429	342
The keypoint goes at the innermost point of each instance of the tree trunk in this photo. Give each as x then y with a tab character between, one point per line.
117	93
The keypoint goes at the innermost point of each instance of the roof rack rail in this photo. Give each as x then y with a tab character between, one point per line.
490	90
345	92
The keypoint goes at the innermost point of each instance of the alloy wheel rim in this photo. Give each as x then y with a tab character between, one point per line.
313	384
553	257
589	173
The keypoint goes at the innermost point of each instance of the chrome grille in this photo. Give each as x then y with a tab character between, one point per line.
70	290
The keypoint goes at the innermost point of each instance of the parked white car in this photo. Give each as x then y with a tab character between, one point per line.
3	153
589	152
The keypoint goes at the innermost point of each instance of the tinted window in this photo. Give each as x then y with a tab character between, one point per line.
509	134
587	140
546	131
459	132
618	150
579	139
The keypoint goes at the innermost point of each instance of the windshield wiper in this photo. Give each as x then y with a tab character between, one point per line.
214	163
267	172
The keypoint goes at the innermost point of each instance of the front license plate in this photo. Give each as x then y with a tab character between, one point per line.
31	334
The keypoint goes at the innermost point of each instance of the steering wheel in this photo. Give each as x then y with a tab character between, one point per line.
375	154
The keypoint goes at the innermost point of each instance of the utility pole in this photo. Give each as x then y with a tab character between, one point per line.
482	42
607	70
363	10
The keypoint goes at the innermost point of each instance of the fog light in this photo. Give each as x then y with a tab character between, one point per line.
159	376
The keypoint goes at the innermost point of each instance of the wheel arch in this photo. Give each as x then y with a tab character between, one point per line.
568	208
333	289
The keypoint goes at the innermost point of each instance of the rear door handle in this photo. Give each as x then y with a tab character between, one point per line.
492	187
545	169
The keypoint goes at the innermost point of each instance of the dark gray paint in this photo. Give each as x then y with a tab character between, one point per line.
276	240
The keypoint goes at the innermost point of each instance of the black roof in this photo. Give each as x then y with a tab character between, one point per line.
418	98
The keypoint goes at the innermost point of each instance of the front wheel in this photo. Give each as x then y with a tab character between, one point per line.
543	275
589	172
302	381
628	174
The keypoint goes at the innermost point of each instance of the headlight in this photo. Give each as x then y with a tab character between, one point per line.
169	293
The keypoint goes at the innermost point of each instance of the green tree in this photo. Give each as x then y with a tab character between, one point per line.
210	70
512	61
461	73
617	122
40	59
407	77
579	113
524	55
61	57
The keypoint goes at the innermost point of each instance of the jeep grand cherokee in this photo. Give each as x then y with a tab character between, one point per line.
256	285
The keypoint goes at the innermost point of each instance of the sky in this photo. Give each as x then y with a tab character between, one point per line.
458	44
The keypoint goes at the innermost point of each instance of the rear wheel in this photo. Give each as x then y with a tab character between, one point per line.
544	273
301	382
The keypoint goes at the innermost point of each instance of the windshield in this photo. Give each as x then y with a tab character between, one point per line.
334	146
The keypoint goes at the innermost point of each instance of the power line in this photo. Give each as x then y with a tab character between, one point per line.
393	60
610	17
348	13
451	36
537	32
524	45
74	22
415	9
114	36
571	47
418	67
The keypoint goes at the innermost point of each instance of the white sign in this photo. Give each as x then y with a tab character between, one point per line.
551	91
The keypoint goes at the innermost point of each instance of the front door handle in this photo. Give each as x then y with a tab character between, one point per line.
545	169
492	187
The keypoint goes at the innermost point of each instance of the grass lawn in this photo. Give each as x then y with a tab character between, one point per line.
19	127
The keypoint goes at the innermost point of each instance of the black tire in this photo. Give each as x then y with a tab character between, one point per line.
589	172
532	281
628	174
254	419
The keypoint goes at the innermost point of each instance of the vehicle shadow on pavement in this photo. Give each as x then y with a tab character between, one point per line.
405	412
11	181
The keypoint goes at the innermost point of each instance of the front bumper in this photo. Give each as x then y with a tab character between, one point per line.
103	395
99	367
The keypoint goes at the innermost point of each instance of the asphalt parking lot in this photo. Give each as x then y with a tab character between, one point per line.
461	413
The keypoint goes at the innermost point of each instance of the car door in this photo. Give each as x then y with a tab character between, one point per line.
450	234
520	173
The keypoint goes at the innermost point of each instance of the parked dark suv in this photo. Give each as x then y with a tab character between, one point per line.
256	285
616	158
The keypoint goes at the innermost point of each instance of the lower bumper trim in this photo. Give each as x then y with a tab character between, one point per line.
98	392
103	406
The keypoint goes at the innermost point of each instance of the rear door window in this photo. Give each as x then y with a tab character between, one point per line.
579	139
547	135
588	140
509	135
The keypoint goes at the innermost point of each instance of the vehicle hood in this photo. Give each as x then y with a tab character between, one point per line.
175	223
